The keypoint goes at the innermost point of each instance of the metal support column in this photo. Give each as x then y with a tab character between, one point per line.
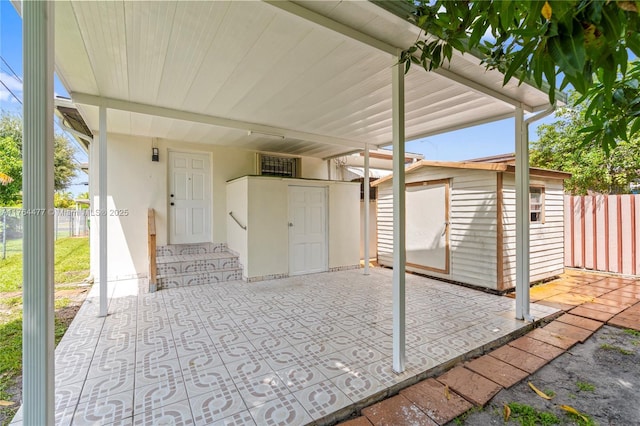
522	217
103	217
399	249
367	190
37	201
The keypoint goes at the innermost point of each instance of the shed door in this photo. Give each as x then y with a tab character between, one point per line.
189	198
307	230
427	226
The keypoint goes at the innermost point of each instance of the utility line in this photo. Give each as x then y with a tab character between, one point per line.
12	94
12	71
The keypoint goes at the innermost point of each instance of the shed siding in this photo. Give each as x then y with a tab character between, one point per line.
472	230
547	239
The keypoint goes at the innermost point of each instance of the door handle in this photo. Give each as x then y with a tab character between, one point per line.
290	224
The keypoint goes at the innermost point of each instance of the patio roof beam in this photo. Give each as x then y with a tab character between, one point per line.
37	187
383	46
399	240
123	105
454	128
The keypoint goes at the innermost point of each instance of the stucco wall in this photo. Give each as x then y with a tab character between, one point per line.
267	234
135	184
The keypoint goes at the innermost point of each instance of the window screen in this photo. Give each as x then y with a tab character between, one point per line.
278	166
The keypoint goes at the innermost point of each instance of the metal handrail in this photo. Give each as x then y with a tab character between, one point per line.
237	221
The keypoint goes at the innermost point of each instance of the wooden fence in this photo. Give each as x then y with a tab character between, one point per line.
602	233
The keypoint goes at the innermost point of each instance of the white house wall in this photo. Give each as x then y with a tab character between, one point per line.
473	224
135	184
547	239
264	247
238	203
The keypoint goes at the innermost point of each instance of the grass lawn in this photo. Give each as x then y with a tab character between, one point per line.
71	266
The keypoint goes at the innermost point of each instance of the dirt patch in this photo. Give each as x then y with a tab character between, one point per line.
63	317
600	378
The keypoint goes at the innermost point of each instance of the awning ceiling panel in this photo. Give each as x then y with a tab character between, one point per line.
256	63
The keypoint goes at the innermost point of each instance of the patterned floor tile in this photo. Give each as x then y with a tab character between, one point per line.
109	409
98	388
248	368
216	405
357	385
281	358
322	399
199	360
299	377
158	372
243	418
176	414
258	390
198	381
149	399
283	411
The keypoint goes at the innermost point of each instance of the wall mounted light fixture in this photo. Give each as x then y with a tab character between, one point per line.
155	155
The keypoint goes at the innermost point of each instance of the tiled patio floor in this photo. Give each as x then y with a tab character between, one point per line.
287	351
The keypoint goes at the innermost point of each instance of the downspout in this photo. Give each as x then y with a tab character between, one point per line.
523	250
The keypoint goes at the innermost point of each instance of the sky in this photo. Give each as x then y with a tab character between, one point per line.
480	141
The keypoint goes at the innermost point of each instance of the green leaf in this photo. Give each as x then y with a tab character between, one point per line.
517	61
633	43
635	127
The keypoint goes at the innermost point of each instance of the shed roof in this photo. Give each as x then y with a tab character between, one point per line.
469	165
302	78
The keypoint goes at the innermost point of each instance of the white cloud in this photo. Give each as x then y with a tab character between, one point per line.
13	84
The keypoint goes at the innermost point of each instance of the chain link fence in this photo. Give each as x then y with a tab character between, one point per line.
66	223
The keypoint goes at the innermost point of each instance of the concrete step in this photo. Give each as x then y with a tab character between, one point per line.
195	263
182	249
199	278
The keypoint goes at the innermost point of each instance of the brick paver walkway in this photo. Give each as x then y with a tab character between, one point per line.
589	301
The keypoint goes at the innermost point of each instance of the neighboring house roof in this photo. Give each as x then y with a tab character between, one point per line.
498	167
501	158
306	78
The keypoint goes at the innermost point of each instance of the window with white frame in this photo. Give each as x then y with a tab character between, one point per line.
536	203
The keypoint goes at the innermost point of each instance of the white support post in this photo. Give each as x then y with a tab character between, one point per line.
522	217
367	189
399	249
37	201
102	196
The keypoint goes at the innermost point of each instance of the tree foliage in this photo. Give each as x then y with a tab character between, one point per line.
593	168
10	165
11	159
582	43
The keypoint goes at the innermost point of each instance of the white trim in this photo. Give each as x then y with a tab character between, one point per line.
399	246
122	105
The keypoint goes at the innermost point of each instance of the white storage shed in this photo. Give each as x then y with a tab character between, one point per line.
461	222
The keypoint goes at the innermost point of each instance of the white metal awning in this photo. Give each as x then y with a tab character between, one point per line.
317	73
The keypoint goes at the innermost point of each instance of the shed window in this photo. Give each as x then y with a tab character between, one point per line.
536	203
271	165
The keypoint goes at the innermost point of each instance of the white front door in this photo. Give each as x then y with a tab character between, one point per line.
427	226
307	230
189	198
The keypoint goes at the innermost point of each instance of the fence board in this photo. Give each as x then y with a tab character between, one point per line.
602	232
